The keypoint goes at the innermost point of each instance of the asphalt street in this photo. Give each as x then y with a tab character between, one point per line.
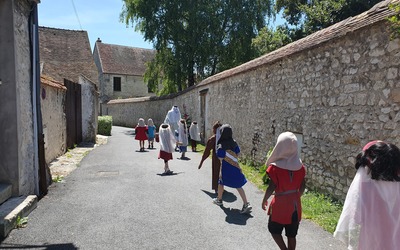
118	199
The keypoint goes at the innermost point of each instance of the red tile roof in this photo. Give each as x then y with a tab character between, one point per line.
46	80
124	60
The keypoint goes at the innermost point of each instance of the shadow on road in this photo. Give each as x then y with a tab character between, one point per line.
62	246
226	197
233	216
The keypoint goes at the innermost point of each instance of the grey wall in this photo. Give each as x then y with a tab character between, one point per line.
89	110
337	96
16	130
54	121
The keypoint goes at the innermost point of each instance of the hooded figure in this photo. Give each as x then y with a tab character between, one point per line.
167	140
371	213
287	179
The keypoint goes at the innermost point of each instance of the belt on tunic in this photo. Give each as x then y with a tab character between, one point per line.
286	192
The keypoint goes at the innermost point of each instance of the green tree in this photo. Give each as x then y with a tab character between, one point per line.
195	39
269	40
308	16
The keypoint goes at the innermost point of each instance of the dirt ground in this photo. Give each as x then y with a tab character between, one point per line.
68	162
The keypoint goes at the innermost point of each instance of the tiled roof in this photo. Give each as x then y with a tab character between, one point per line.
66	54
51	82
124	60
376	14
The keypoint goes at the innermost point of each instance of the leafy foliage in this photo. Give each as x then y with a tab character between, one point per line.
395	21
195	39
307	16
104	125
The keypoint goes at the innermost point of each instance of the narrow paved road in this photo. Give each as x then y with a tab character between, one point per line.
117	199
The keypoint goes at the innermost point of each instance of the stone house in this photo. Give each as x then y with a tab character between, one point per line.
336	89
65	55
121	70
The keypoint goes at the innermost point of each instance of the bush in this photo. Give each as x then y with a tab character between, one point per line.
104	125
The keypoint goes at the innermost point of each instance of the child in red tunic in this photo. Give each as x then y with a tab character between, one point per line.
140	133
286	173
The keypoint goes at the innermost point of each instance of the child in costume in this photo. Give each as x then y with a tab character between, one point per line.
140	133
172	118
231	174
371	213
151	132
182	138
167	145
287	179
194	135
216	163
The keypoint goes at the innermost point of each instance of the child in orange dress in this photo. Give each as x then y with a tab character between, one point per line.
140	133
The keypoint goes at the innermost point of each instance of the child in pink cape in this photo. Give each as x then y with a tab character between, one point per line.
371	213
286	173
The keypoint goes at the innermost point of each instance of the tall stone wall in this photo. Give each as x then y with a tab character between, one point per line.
54	121
338	95
17	147
90	109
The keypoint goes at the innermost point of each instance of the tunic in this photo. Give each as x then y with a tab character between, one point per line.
232	175
215	164
287	196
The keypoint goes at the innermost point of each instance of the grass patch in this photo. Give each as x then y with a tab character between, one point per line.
21	222
58	178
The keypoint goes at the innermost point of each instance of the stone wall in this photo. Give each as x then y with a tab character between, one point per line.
54	121
17	147
337	93
90	110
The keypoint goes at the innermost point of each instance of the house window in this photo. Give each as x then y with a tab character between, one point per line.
117	83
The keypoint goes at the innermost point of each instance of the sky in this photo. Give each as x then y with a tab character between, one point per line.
100	18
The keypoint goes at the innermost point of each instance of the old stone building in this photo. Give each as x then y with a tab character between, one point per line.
66	55
336	90
121	70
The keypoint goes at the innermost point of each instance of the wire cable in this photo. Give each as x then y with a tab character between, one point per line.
76	14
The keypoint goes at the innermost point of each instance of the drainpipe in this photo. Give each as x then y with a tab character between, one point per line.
39	164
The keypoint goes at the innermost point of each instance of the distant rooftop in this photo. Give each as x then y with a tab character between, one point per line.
123	60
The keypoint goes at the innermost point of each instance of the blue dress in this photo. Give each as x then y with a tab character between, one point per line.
232	175
151	132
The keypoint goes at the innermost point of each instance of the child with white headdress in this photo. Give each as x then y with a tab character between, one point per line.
140	133
182	138
151	132
167	146
194	135
287	178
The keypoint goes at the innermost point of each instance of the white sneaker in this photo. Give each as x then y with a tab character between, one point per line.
217	202
246	208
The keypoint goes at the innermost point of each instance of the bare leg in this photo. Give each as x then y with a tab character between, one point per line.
291	243
220	191
279	241
242	195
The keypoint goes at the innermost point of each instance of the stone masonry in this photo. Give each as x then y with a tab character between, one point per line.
337	89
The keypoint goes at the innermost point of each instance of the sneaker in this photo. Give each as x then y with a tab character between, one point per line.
217	202
246	208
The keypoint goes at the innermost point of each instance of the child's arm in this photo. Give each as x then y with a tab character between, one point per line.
302	187
268	193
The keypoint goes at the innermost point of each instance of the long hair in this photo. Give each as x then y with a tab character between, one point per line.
382	160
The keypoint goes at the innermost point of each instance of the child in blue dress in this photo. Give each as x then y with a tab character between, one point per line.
151	132
231	174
